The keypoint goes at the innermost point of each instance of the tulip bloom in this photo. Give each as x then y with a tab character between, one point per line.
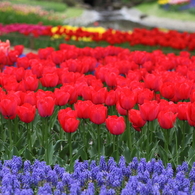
182	108
49	79
127	99
69	124
30	83
166	119
98	114
167	90
45	106
115	125
82	108
111	98
62	97
120	110
191	114
136	120
8	107
26	112
149	110
68	120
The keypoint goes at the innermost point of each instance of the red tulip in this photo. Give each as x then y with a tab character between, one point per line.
99	96
167	90
86	92
183	90
182	108
12	56
69	124
68	120
66	113
135	118
30	83
127	99
43	53
49	79
111	98
120	110
61	96
26	112
29	97
166	119
144	94
152	81
149	110
98	114
191	113
115	125
83	108
8	107
111	79
45	106
23	62
19	48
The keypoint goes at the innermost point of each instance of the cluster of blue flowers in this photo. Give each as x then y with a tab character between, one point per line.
90	178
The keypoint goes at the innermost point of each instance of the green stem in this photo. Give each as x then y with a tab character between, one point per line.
70	151
117	148
29	136
16	130
46	139
10	133
193	140
114	143
176	146
147	142
99	142
128	133
166	143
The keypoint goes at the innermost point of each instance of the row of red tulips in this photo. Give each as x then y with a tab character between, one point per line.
131	78
111	86
154	37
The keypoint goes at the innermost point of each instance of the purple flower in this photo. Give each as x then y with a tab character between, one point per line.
59	170
75	189
192	173
105	191
103	164
134	164
52	177
90	190
45	190
115	177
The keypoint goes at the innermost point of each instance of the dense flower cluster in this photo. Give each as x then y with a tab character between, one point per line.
22	9
26	29
91	177
173	2
154	37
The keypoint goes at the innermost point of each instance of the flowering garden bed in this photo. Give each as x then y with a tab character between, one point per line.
78	104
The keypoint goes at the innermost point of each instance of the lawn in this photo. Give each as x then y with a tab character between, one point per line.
154	9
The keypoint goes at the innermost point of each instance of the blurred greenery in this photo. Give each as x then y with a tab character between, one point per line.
154	9
57	5
10	17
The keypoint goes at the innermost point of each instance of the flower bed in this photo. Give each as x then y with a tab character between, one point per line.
59	105
91	177
154	37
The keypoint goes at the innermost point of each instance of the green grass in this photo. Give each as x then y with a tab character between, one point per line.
154	9
49	6
73	12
